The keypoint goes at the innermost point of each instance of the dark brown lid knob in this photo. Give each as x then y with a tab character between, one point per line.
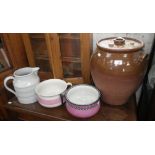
119	41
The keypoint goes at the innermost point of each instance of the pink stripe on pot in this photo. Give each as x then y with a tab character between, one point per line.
49	102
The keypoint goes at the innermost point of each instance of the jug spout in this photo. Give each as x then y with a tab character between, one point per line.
35	69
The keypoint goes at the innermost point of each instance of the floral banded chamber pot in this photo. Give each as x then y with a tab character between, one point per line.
82	101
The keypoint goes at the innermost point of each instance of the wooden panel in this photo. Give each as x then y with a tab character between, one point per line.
45	75
18	49
15	50
29	51
85	40
52	41
8	48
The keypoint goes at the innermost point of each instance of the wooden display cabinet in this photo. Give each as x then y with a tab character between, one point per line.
60	55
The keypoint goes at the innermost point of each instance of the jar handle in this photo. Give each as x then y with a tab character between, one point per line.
5	84
143	56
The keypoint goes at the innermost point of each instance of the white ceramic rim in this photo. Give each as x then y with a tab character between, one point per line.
47	81
82	85
22	69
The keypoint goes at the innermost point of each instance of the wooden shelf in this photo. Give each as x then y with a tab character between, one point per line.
107	113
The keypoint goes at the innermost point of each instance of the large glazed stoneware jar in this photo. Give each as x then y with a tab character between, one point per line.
118	67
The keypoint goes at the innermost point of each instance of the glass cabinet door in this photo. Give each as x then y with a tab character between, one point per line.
62	55
70	52
39	48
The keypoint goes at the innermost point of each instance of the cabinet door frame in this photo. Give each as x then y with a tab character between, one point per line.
86	47
28	49
53	46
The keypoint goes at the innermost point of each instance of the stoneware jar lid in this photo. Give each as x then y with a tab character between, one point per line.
120	44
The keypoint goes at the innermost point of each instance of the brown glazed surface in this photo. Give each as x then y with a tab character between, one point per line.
118	74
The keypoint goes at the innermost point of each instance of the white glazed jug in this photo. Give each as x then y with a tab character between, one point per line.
24	82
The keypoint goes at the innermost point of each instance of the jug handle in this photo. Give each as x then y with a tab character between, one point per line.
5	84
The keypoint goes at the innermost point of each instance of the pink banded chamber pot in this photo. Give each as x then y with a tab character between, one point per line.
50	92
82	100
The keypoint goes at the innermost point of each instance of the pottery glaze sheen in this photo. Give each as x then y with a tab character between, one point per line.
118	67
24	82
